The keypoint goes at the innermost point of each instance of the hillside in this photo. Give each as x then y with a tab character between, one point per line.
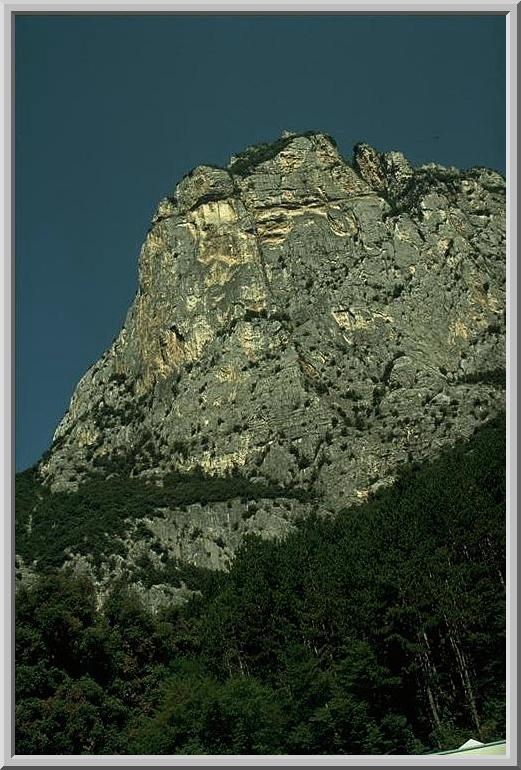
304	326
379	632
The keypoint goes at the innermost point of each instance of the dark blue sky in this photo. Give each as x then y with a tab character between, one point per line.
111	112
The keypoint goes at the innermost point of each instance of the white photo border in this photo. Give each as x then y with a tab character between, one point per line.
8	11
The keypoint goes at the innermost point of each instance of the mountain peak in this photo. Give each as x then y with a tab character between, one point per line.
311	146
305	323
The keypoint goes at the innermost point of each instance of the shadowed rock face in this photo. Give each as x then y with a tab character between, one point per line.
304	321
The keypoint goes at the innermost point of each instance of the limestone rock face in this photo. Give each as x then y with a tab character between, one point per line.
307	322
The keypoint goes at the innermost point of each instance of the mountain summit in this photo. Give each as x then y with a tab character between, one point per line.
304	326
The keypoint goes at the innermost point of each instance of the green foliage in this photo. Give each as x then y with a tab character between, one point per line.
246	162
198	714
174	572
28	495
424	180
496	377
89	520
379	632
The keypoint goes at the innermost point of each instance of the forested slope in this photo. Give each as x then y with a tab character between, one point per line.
379	631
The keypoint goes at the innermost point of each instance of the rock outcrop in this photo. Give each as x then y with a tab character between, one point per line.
306	322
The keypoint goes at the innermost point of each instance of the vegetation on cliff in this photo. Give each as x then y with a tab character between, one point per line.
381	631
90	521
320	328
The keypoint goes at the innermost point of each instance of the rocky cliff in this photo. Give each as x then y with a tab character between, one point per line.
303	322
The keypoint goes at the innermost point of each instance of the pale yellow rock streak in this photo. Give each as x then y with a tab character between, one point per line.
484	299
86	437
251	340
274	224
457	330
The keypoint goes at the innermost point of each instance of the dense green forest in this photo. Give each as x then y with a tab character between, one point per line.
89	520
381	631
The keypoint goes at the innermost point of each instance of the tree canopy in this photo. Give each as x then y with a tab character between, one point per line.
381	631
